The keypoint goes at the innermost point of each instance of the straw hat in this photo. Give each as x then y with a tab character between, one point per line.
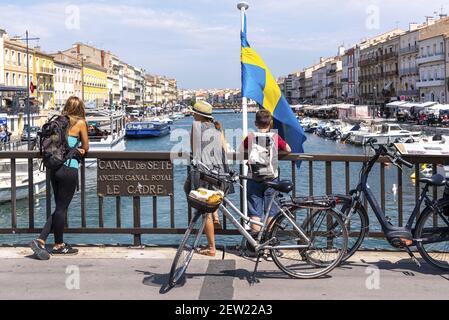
203	109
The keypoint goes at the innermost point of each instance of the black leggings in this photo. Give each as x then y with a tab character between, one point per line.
63	182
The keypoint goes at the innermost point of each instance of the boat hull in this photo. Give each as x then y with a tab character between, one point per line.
144	134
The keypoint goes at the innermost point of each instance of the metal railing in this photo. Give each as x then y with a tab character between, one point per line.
310	164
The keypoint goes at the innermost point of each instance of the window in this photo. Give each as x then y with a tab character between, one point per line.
13	79
7	78
19	60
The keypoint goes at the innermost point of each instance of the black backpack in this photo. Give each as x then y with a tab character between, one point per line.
54	147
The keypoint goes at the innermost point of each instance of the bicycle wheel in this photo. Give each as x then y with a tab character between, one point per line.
357	226
187	248
432	232
321	254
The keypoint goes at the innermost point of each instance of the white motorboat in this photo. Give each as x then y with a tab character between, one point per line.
177	116
162	120
39	179
384	134
106	130
438	146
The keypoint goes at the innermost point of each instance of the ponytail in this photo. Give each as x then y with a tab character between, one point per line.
217	125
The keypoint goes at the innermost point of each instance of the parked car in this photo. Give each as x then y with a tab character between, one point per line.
33	133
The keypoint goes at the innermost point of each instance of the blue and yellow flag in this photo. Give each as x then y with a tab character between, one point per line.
259	85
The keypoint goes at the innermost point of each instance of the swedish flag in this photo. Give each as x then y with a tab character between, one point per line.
259	85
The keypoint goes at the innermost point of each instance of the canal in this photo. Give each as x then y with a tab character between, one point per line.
314	145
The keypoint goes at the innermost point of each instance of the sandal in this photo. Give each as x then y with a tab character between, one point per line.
207	252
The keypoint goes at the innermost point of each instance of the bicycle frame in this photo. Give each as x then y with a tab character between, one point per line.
364	188
256	243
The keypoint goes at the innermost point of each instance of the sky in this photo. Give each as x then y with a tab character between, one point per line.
198	41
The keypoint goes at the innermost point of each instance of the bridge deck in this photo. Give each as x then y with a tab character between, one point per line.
122	273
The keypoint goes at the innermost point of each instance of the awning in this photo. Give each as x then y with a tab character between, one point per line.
395	104
388	86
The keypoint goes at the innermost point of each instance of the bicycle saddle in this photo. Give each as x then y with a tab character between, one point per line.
437	180
284	186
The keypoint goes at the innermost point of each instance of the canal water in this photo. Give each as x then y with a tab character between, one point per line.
314	144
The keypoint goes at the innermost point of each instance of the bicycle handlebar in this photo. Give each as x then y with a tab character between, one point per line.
394	157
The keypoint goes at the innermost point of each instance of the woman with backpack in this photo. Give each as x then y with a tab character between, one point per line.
208	146
64	180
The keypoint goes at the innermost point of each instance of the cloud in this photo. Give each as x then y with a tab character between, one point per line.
198	41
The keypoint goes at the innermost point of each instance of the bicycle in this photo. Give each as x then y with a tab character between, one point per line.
301	251
431	231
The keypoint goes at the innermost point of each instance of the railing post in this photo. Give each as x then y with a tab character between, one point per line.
13	195
83	193
136	211
31	193
400	199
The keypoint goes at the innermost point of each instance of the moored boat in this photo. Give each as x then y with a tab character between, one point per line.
141	130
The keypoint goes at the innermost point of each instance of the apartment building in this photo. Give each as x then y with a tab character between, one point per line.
408	68
44	71
348	76
14	71
67	82
2	59
333	82
379	68
432	61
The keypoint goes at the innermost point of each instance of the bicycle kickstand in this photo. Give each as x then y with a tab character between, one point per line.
412	256
253	280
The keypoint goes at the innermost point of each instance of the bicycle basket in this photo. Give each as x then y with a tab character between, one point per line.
204	200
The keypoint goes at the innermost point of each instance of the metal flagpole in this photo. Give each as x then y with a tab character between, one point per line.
243	6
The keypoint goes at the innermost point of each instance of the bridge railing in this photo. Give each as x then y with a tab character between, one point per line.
317	170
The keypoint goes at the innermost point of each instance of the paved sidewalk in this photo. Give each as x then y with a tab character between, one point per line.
122	273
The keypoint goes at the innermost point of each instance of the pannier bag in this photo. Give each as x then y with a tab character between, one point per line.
205	200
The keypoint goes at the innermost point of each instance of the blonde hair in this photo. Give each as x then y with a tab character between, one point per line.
74	109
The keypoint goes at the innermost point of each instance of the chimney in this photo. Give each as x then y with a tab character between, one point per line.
413	26
341	51
430	20
321	59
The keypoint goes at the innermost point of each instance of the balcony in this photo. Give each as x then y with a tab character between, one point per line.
409	93
368	62
409	71
50	71
430	58
431	83
388	56
391	73
408	50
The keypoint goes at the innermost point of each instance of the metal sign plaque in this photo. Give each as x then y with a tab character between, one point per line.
134	178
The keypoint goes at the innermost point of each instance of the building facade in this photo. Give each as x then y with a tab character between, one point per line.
432	62
379	69
44	71
15	72
408	69
95	85
348	76
67	82
2	58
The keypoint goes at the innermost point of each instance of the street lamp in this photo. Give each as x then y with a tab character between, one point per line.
27	104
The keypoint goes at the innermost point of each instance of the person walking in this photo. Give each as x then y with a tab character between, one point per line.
208	146
64	181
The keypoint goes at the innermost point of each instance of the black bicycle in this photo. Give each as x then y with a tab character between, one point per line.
431	232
